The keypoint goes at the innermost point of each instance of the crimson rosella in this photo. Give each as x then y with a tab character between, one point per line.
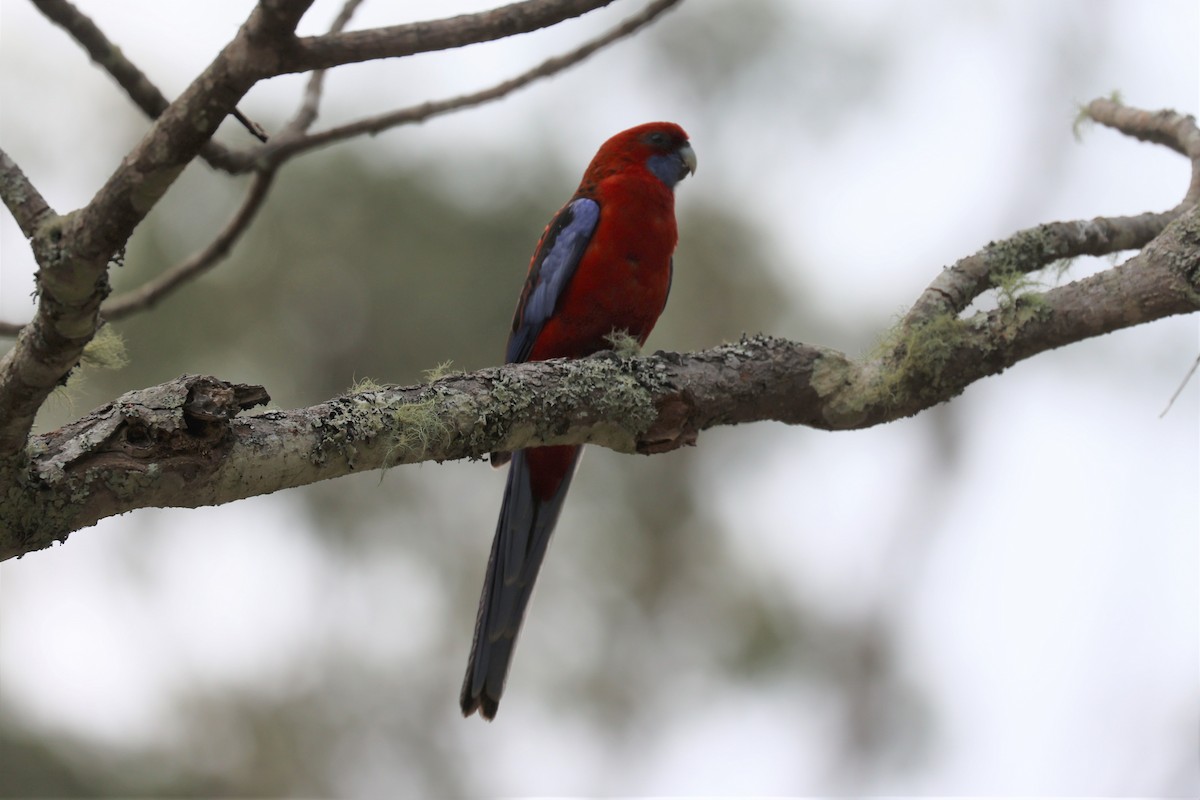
603	264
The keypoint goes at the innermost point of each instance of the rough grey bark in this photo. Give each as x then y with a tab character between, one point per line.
196	441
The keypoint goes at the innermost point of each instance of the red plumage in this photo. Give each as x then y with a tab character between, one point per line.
603	264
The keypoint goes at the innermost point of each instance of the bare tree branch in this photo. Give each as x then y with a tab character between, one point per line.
306	115
250	125
1166	127
151	292
332	50
283	148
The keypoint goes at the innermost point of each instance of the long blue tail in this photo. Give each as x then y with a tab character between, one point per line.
533	496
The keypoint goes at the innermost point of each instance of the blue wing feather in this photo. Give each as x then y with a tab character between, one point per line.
558	255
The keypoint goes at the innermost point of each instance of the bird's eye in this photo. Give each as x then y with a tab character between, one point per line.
658	139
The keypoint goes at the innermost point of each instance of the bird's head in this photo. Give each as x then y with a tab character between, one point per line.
660	147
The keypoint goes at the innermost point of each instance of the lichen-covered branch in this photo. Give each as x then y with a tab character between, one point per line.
187	444
957	286
190	443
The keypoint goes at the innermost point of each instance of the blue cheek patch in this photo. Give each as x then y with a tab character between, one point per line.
667	167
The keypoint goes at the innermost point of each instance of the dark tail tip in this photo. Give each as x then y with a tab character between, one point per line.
484	703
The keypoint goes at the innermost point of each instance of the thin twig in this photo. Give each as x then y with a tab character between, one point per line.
424	111
150	293
255	129
1169	128
306	115
1182	385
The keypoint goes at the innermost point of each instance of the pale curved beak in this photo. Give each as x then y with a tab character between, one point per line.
689	157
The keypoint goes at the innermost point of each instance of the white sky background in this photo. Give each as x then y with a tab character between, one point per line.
1057	614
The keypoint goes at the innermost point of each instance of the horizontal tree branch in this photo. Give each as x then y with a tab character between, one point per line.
284	147
185	444
336	49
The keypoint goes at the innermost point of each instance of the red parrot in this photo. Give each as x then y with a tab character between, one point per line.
603	264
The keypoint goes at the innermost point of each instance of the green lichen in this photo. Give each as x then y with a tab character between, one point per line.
52	227
441	371
922	355
32	518
106	350
416	428
624	344
1011	286
340	428
1017	303
615	392
1061	267
126	484
831	375
615	388
1026	252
